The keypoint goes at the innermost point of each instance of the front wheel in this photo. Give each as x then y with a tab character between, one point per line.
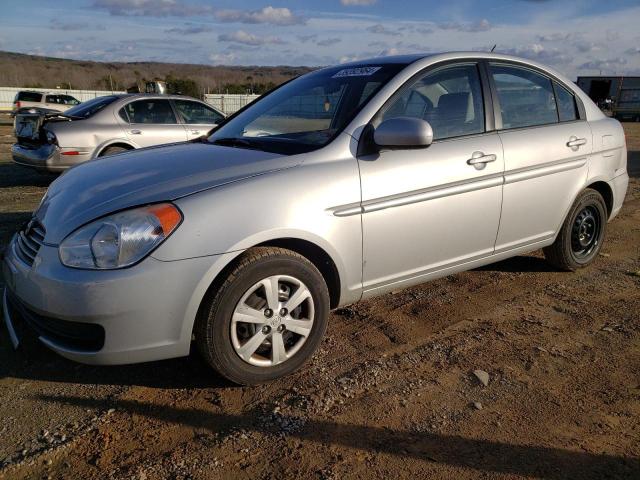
266	318
582	233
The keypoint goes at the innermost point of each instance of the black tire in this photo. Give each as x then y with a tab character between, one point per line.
582	233
213	326
112	151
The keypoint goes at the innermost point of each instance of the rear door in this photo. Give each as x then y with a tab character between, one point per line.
546	147
152	121
197	117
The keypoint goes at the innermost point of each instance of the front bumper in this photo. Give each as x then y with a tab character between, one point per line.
46	157
145	312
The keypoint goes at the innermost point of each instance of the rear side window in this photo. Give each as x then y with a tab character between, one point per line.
152	111
450	99
28	97
526	97
567	108
194	113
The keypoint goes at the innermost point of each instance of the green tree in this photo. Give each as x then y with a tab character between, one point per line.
183	86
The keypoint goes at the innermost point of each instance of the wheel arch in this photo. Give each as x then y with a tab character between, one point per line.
117	143
318	257
604	189
311	251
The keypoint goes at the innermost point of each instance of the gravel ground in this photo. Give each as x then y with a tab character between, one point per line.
396	390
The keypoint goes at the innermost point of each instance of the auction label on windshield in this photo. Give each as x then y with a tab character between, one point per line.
357	72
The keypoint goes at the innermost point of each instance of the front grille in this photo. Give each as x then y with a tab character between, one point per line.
29	240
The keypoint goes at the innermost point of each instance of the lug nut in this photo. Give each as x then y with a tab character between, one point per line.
283	312
280	328
266	329
268	313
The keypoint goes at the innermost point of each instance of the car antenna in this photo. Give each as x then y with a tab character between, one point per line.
494	47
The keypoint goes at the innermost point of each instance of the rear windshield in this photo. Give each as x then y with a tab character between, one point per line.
91	107
28	97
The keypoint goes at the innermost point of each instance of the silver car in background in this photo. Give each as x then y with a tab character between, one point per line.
346	183
108	125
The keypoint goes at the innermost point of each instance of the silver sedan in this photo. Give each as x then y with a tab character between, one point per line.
348	182
107	125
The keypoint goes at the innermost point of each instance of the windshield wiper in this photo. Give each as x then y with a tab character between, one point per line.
236	142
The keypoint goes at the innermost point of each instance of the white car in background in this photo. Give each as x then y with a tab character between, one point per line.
57	102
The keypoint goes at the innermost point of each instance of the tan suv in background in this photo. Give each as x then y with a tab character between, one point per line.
43	100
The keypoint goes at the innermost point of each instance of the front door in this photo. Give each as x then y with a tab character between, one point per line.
152	122
429	209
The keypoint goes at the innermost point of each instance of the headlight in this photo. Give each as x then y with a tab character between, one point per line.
121	239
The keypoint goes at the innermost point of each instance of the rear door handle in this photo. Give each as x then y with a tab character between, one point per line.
195	132
479	160
574	142
135	132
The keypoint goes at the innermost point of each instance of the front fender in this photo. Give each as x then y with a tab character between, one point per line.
295	203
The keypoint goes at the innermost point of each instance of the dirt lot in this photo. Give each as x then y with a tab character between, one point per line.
391	392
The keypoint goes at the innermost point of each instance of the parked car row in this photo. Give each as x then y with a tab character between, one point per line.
343	184
107	125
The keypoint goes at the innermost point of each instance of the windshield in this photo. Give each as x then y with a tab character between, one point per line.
306	113
90	107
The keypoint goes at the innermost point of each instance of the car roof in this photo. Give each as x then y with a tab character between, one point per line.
155	95
454	55
42	93
389	60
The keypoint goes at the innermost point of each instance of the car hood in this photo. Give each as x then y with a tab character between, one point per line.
105	185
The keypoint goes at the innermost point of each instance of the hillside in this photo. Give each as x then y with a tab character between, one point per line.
20	70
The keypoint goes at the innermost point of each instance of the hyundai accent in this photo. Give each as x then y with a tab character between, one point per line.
345	183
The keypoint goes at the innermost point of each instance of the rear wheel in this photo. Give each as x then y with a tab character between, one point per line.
266	318
582	233
112	151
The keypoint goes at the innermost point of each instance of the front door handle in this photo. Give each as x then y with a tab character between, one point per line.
135	132
195	132
479	160
575	143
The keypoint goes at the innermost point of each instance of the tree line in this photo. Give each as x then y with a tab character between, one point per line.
30	71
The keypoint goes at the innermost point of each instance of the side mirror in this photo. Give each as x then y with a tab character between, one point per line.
403	132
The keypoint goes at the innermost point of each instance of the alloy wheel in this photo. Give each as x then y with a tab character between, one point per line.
272	320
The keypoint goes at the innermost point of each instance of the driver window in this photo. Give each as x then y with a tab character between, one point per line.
450	99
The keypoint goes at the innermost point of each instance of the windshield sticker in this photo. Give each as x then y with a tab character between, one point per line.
357	72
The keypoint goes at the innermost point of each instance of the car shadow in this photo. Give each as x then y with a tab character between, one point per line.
12	175
520	264
10	222
453	450
33	361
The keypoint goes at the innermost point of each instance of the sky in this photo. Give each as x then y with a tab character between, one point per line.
578	37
